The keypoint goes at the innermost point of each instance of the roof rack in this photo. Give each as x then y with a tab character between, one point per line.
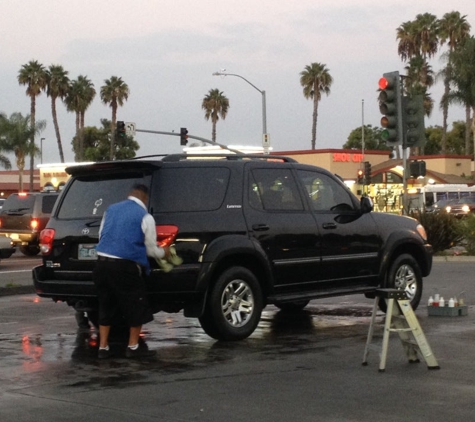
230	157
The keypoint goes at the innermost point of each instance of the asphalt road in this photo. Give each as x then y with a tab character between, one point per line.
300	367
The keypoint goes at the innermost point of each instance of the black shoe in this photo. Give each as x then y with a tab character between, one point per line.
140	352
104	354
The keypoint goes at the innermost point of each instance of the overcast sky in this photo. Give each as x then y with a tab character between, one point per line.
167	51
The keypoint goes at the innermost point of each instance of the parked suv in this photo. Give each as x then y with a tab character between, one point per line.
23	216
252	231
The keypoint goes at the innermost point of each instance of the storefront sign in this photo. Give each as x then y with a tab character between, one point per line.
344	157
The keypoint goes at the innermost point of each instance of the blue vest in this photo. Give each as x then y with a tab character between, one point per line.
122	234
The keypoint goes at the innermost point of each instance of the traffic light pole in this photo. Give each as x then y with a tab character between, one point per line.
207	141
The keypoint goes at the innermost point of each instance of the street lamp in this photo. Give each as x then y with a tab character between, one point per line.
265	136
41	149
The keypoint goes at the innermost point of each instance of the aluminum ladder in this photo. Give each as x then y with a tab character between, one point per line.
400	318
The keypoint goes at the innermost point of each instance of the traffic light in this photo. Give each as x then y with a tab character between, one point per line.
367	173
413	117
121	129
360	177
390	105
417	168
183	136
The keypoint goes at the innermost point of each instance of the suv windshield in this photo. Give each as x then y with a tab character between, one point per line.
90	197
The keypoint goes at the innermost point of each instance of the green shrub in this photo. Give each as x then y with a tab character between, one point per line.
467	227
444	231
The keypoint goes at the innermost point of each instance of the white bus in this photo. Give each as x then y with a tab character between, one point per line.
425	197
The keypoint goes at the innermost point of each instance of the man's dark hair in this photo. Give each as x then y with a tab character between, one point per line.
140	187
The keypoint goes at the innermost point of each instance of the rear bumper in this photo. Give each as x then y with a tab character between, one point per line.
63	290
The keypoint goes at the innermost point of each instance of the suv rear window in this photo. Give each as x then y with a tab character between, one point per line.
90	197
189	189
19	204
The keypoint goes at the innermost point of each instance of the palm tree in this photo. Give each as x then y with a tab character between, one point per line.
216	105
114	92
80	96
453	29
462	60
316	80
33	76
420	76
57	86
16	133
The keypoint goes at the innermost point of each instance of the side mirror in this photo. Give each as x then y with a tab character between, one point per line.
366	205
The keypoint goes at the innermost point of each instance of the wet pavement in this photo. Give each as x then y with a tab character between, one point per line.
304	366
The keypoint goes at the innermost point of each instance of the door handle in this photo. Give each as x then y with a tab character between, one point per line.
260	227
329	226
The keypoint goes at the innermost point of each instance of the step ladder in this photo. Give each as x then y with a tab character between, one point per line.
400	318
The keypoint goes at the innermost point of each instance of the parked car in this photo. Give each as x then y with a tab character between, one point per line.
6	247
441	205
23	216
252	231
462	207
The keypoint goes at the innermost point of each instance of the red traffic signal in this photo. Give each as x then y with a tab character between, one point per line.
183	136
360	176
390	106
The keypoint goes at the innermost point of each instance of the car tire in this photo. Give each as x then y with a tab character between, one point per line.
404	274
234	305
30	250
292	306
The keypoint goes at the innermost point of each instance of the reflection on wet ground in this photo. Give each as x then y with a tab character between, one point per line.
38	357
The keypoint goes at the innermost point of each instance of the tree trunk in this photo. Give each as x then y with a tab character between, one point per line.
445	112
314	120
467	130
56	128
32	155
76	147
473	130
113	134
81	138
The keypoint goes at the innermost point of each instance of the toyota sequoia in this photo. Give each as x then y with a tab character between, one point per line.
252	230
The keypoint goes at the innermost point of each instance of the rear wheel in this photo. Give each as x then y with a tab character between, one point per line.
30	250
234	305
404	274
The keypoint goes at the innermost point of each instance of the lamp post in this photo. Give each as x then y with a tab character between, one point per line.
265	135
41	149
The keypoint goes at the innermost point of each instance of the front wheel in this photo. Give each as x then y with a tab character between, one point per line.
234	305
404	274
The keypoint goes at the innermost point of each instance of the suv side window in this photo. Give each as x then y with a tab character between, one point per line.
48	203
189	189
274	190
325	194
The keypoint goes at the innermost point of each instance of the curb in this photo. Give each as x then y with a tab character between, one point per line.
16	290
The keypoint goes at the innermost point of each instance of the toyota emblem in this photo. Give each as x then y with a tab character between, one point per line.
85	231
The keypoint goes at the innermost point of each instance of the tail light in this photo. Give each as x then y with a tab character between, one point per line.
166	235
34	223
46	241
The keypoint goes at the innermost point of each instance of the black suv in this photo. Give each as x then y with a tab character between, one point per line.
252	231
23	216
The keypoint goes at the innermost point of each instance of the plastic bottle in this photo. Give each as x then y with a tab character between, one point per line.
451	302
441	302
436	300
456	301
431	301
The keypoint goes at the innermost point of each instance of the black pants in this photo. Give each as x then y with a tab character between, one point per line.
121	290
